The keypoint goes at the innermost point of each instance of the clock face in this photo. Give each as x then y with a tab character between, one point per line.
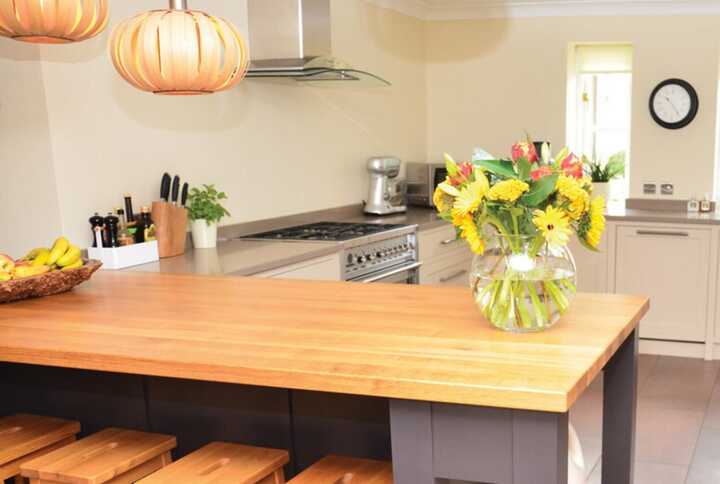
674	104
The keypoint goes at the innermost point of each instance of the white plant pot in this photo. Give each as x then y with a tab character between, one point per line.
601	190
204	235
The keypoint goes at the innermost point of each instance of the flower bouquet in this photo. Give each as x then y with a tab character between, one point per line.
517	216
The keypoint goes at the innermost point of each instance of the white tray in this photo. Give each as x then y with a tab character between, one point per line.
127	256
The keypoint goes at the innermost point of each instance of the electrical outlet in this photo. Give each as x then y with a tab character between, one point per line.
649	188
667	189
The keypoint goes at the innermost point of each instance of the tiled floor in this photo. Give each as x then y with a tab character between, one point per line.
678	423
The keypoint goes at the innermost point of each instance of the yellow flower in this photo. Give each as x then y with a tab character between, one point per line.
508	190
469	232
470	197
597	222
553	224
442	201
572	192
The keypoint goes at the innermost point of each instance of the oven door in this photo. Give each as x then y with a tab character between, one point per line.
405	274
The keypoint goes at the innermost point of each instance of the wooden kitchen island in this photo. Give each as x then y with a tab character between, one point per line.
465	402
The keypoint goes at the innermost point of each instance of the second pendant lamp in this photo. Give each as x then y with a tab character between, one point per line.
179	51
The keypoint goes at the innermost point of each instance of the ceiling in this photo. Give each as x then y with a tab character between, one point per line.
462	9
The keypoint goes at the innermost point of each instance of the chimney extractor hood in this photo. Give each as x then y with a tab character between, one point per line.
293	39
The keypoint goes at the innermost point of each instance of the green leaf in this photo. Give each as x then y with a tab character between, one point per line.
523	169
503	168
540	191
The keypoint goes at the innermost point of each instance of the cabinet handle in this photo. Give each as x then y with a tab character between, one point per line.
663	233
454	276
448	241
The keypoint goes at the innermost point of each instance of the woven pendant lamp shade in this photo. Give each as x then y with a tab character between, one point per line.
52	21
179	52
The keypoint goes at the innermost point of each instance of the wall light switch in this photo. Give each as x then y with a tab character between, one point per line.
649	188
667	189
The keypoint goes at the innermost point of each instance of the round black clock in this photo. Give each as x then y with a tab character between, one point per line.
674	104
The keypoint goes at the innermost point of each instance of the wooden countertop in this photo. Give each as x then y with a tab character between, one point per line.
407	342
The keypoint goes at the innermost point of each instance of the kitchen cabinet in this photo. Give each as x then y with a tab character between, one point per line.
671	265
327	268
445	259
592	267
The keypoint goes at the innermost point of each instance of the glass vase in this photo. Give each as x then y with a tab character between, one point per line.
522	284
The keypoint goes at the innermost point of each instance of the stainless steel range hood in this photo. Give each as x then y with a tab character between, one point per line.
293	39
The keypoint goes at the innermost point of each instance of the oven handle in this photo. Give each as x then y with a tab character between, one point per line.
380	277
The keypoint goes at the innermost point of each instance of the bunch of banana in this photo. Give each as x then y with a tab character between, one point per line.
63	256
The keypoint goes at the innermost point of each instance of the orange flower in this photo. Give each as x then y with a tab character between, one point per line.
525	150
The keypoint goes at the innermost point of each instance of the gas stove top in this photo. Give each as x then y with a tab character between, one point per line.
325	231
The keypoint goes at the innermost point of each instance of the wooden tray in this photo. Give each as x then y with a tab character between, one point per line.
47	284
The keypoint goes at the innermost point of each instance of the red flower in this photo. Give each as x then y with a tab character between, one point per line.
525	150
572	166
541	172
465	169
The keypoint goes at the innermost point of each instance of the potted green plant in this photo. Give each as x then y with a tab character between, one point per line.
205	211
604	173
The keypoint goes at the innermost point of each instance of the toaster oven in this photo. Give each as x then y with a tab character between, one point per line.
422	179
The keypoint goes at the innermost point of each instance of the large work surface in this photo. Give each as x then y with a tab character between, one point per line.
405	342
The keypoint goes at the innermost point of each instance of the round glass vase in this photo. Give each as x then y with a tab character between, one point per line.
522	284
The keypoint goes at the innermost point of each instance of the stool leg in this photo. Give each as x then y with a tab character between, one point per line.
20	480
277	477
166	459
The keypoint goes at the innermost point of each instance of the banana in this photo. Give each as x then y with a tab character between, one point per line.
5	276
22	272
71	256
34	253
75	265
41	258
60	247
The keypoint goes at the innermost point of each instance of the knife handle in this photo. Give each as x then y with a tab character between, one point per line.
165	188
175	189
184	195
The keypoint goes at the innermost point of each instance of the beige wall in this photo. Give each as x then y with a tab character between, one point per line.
277	149
29	213
491	80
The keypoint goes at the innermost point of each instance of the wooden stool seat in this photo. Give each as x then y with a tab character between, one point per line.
25	437
346	470
223	463
115	456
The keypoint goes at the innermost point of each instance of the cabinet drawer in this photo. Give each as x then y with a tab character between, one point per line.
454	275
438	242
320	269
670	265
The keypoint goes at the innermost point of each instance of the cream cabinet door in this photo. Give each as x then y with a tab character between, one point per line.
457	274
592	267
671	266
321	269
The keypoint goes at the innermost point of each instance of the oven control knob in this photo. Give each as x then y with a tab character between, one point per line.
360	259
370	257
380	254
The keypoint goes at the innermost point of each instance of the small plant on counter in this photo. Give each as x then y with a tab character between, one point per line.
601	172
517	215
205	211
204	204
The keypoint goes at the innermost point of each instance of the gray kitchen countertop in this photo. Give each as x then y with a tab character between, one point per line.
247	257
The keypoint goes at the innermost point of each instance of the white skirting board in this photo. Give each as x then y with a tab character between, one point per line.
677	348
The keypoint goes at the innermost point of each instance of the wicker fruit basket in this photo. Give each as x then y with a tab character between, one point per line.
47	284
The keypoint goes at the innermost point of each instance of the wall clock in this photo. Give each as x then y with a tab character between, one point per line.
674	104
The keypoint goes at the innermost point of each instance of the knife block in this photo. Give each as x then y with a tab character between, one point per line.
171	224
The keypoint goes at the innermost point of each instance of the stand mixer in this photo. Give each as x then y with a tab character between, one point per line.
387	193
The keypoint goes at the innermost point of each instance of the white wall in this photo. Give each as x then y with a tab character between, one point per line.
277	149
491	80
29	212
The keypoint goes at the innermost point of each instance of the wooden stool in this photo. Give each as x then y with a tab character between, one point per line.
346	470
25	437
113	456
223	463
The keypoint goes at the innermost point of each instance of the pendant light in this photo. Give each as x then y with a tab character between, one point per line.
179	52
52	21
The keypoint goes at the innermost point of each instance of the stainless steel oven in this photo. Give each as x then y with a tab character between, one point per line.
404	274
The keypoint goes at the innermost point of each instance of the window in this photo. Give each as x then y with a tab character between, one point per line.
599	104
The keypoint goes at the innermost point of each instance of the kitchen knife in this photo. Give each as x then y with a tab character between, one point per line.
184	195
165	188
175	189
